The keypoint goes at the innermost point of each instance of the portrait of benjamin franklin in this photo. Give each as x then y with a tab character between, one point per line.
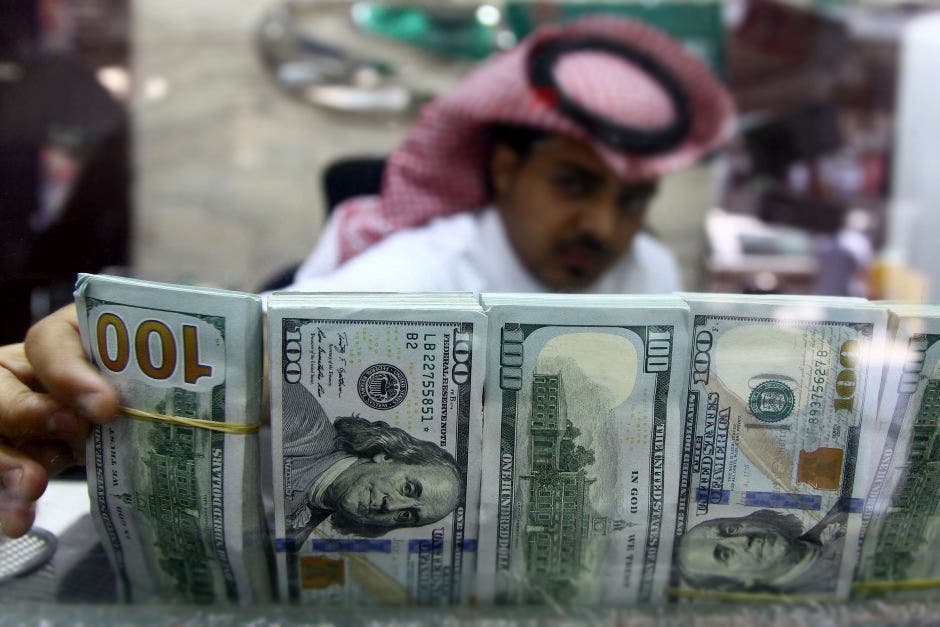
365	477
765	551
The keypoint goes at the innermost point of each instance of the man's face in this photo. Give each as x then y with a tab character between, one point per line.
739	549
386	493
568	217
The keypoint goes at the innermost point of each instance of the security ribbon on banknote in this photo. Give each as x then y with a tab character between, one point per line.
377	417
580	448
780	392
901	519
177	505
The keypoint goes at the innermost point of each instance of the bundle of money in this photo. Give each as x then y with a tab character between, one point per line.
581	440
901	519
781	393
376	404
175	480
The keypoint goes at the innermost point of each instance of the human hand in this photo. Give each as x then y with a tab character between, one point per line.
49	396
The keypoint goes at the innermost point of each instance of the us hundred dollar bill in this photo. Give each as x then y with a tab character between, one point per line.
178	507
581	448
901	519
781	393
377	418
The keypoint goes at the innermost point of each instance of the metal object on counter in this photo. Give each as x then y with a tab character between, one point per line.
25	554
338	78
323	74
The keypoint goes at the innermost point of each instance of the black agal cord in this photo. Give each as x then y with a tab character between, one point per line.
622	137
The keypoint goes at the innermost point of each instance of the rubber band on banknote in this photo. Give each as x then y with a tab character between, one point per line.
748	597
224	427
904	584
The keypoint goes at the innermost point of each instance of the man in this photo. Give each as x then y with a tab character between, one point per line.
765	551
367	478
532	175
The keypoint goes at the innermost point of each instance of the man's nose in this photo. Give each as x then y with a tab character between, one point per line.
599	220
395	501
738	543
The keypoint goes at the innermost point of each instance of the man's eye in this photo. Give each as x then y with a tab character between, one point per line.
573	187
722	554
411	489
406	516
730	529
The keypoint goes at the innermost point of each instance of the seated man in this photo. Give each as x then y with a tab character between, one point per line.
533	174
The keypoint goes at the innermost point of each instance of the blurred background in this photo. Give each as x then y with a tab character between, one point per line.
192	142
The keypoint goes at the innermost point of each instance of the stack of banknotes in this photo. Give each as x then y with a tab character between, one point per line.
178	507
900	524
439	449
583	408
376	417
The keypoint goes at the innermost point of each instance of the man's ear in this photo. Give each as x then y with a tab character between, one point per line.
504	163
381	458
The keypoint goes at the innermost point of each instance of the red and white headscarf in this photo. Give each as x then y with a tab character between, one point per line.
440	168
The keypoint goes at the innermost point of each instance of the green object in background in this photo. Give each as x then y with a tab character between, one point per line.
451	30
697	24
457	30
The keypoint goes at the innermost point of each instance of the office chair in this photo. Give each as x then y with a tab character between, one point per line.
341	180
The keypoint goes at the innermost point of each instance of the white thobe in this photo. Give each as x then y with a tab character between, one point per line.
469	252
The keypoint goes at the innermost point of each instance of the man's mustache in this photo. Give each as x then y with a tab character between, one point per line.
583	242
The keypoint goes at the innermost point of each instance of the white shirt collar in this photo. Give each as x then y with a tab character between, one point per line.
499	259
509	274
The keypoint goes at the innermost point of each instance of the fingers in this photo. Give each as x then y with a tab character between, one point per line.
48	392
20	407
54	350
54	456
22	481
13	358
27	414
31	423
